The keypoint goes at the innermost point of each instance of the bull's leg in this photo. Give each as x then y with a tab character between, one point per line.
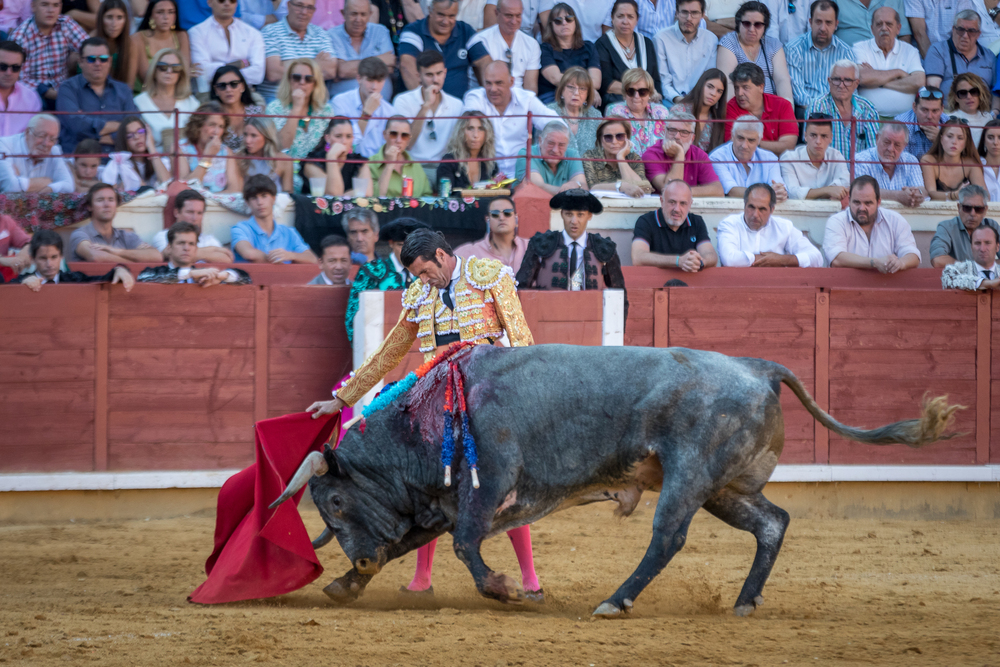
754	514
468	537
351	585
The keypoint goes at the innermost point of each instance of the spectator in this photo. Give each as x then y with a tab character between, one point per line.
432	112
989	151
563	48
260	239
51	42
354	41
390	176
707	102
340	176
100	241
924	120
969	99
622	50
812	55
867	236
530	17
941	64
684	51
648	118
506	108
672	236
677	158
505	42
86	166
47	254
14	13
45	171
502	242
855	19
291	38
621	169
160	29
362	230
843	104
951	162
231	92
750	44
929	21
206	154
440	31
757	237
654	16
981	272
572	104
222	39
720	17
334	262
473	144
366	102
167	87
189	207
302	95
590	16
14	95
182	254
952	241
553	170
132	165
114	25
890	68
741	162
896	171
780	129
262	154
816	170
93	90
261	13
13	238
572	259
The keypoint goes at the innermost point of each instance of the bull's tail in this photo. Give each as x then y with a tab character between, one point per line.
935	418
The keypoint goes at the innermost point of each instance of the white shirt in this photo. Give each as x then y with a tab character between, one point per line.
184	274
738	244
16	172
992	182
510	128
211	49
349	104
891	233
204	241
525	54
159	121
682	64
425	148
590	15
529	14
801	176
979	270
903	57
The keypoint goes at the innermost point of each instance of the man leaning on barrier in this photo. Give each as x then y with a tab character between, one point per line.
671	237
181	255
952	241
100	240
47	254
981	272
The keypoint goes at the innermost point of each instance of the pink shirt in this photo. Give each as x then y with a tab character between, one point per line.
484	250
12	235
328	13
22	98
697	165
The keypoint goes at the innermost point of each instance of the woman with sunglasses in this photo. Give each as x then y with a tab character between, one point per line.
114	22
563	47
167	87
989	151
260	150
159	30
707	102
204	155
231	91
621	169
471	140
572	103
131	165
951	162
749	44
301	95
648	119
969	98
336	145
622	49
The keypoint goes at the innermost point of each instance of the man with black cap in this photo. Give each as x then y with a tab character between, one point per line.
383	273
572	259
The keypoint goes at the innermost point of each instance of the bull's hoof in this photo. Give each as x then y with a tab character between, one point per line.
742	610
426	593
343	590
609	610
501	587
538	597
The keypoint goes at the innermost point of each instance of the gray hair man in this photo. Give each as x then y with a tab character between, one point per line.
891	71
742	162
941	64
896	170
552	171
843	104
361	227
952	241
44	170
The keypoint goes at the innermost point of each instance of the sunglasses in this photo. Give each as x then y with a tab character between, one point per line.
141	132
969	209
299	78
756	25
507	55
965	92
930	94
819	115
641	92
227	2
222	85
94	59
969	32
507	213
569	20
393	134
614	137
430	127
169	67
13	68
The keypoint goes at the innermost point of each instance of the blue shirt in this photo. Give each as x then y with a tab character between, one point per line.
764	168
416	38
282	238
193	12
907	172
919	143
942	55
75	94
255	12
810	67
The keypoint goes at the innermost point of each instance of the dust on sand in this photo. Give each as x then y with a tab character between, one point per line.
844	592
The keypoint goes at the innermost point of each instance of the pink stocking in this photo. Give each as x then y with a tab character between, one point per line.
425	562
520	538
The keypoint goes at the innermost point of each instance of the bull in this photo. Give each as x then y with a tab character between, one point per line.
559	426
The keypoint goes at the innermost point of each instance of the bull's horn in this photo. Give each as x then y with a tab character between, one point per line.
313	464
323	539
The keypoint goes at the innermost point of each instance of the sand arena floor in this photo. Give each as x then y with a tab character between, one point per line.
844	592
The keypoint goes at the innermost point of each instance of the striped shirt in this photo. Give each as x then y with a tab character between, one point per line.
861	109
810	67
919	143
937	14
280	40
906	175
47	55
652	18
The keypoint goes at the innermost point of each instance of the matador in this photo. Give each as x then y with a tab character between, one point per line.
454	299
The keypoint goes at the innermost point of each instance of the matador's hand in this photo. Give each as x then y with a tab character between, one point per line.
321	408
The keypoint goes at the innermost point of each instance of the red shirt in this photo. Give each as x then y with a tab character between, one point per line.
775	108
12	235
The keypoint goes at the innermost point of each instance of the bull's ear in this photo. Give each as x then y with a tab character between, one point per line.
330	455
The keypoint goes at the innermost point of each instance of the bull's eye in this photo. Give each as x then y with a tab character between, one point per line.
336	501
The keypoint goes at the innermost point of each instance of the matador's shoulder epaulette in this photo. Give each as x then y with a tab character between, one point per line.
603	247
545	243
485	274
416	295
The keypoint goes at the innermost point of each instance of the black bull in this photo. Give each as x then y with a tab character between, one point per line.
557	426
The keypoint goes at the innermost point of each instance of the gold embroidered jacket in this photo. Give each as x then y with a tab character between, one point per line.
486	305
